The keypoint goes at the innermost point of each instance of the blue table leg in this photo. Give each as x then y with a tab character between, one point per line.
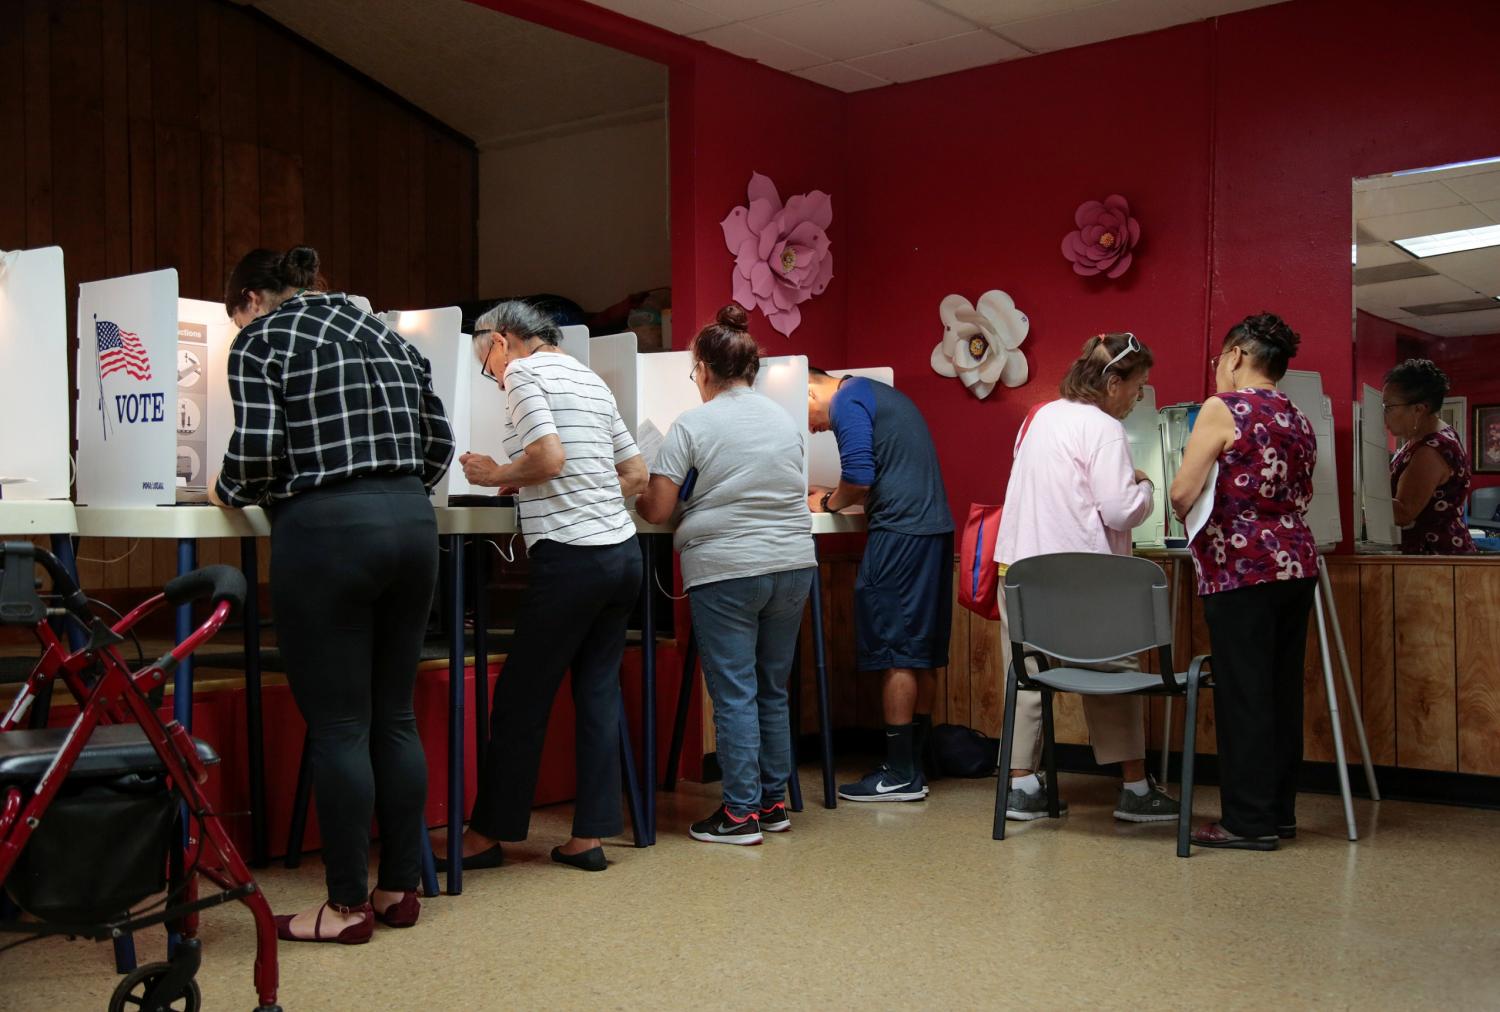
679	721
632	785
648	688
260	849
825	718
429	865
456	716
182	697
481	657
41	706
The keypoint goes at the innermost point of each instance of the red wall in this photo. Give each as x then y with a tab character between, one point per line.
1235	140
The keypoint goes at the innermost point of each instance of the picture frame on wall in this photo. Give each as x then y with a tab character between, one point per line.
1487	439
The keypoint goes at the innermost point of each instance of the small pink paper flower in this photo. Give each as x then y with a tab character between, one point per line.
781	251
1105	238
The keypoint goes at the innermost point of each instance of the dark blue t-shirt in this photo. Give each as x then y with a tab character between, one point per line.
884	444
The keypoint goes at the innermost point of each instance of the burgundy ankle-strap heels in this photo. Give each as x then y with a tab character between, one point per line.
355	934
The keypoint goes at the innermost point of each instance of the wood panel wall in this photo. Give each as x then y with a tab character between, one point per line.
142	134
1422	637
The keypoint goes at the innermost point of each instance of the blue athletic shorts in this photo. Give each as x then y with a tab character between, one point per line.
903	601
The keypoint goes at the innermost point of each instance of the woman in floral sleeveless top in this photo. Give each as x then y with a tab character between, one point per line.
1430	475
1257	566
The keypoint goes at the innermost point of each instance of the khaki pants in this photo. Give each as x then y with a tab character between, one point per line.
1117	724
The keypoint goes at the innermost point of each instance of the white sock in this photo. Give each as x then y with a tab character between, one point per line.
1140	788
1030	783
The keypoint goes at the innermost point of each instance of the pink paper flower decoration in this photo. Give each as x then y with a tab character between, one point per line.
1105	238
781	256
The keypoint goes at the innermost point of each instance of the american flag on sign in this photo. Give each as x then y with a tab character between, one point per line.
120	350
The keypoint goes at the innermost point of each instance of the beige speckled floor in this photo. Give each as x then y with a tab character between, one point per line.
903	906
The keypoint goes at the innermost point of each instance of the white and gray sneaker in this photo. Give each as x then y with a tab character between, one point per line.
1023	807
1156	805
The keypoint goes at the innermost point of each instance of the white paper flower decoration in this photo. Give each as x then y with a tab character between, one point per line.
982	346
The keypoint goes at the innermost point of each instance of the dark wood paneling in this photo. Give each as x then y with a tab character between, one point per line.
1477	592
182	133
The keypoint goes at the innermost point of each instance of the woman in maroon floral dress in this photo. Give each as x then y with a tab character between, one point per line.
1430	475
1257	567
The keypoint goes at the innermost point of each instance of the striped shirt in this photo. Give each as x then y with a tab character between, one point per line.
324	392
555	394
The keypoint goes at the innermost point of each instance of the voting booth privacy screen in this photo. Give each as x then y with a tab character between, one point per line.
33	375
438	335
1143	430
1373	487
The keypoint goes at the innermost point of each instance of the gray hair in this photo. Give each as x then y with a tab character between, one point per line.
513	317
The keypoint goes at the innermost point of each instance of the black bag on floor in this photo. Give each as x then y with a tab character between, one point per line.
959	751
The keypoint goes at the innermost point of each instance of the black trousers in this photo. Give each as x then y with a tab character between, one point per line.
353	569
1259	641
573	618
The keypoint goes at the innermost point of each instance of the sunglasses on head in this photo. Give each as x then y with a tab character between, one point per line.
1131	345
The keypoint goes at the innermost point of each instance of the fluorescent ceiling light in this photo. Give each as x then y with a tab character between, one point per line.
1450	165
1451	242
1354	254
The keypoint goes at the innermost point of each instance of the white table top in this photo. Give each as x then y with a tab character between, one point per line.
203	521
20	518
183	521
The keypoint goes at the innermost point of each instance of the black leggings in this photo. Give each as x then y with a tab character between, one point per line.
1259	639
353	568
572	617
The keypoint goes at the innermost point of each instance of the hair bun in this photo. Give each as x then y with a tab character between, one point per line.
299	267
1272	330
733	317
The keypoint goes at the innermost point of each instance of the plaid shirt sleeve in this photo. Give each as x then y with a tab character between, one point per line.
437	434
259	439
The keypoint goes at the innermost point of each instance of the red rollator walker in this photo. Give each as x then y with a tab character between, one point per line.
99	816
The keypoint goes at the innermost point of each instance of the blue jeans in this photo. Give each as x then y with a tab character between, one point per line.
747	635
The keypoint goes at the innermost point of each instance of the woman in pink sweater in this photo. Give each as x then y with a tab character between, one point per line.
1073	488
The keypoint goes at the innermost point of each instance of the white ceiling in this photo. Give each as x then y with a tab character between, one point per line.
1404	206
497	79
852	45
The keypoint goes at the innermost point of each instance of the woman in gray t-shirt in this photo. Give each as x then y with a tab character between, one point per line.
745	537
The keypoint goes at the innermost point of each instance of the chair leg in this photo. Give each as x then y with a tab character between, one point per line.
1189	761
680	718
297	832
632	785
1007	741
1049	756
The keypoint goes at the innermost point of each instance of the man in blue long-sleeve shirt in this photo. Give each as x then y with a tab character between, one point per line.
903	601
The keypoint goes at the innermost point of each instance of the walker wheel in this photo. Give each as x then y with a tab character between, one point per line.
132	992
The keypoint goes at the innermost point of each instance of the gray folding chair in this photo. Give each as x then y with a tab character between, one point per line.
1085	608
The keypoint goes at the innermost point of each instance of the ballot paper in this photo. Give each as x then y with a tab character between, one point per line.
1197	515
649	441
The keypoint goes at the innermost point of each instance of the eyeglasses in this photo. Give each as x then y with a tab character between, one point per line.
1131	345
484	366
693	372
1386	407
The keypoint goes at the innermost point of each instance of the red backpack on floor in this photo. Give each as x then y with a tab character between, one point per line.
978	575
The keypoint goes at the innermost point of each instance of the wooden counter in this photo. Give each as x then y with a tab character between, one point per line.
1423	636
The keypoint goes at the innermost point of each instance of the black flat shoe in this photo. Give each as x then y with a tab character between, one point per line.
1287	832
492	857
588	860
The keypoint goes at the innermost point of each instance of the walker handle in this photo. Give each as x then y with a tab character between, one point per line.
218	583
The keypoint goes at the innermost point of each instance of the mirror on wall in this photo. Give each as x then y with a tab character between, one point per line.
1426	266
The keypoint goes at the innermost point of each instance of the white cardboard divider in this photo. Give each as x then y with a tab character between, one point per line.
205	413
575	341
438	335
1305	389
784	380
823	467
1374	492
127	405
34	374
614	358
1143	430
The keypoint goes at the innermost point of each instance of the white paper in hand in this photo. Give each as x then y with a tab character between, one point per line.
649	441
1197	515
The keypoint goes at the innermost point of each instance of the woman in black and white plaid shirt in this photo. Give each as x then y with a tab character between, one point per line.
338	432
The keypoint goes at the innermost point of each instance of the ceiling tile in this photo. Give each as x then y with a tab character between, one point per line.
842	77
744	10
1405	226
1463	324
928	59
848	28
1478	187
1417	291
1379	254
1003	12
1478	269
742	40
673	15
1415	196
1111	20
